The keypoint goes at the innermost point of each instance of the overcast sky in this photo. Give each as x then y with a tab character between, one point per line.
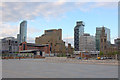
54	15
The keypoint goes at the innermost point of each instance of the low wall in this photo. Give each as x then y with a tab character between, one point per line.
55	58
65	60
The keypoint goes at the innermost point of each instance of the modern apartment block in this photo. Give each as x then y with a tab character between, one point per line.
87	43
9	45
98	33
52	37
22	36
78	31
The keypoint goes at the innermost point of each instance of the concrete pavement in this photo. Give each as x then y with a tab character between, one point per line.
36	68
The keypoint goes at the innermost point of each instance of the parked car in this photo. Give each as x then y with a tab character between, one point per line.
103	58
78	57
85	58
98	58
109	58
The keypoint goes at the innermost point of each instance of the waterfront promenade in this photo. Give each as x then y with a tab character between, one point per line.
41	68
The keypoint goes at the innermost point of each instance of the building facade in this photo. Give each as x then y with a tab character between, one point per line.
105	47
22	36
52	37
78	31
24	46
9	45
98	34
69	49
18	38
117	43
87	43
103	41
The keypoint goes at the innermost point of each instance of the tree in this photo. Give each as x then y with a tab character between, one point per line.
110	53
116	52
101	53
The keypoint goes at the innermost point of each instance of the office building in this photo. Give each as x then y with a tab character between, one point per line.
9	45
98	33
78	31
52	37
87	42
22	36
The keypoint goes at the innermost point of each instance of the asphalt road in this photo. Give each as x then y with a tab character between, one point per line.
34	68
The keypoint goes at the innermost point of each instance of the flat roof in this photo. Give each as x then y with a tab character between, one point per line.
29	50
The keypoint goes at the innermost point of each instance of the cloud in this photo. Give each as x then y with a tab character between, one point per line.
69	40
8	30
60	0
93	5
30	40
16	11
104	5
113	38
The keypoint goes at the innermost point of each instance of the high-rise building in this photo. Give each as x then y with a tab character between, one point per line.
22	36
18	38
98	33
87	42
78	31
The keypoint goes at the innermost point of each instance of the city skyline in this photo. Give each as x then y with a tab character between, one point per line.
59	15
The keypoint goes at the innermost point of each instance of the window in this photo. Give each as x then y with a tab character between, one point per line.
9	42
105	47
23	46
104	40
101	40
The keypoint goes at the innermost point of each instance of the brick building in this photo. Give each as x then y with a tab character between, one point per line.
24	46
52	37
105	47
103	41
70	49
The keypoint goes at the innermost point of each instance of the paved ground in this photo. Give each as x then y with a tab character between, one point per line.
35	68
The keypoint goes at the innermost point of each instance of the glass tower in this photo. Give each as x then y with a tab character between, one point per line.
98	33
23	31
78	31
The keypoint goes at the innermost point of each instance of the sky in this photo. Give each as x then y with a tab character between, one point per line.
42	16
